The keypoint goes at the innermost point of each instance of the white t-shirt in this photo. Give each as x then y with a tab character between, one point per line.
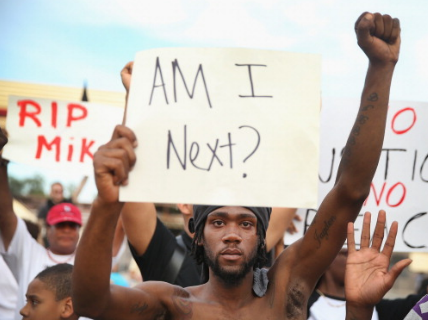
8	292
26	258
331	308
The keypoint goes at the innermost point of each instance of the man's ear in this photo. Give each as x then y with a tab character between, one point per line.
185	208
67	311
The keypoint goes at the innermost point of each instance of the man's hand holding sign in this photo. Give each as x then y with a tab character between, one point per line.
231	239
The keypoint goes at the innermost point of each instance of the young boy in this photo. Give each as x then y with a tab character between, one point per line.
49	295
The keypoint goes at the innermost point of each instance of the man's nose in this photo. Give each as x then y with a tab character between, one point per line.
24	311
232	235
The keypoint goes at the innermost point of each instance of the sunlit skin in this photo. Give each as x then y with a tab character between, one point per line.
230	236
41	303
295	272
63	237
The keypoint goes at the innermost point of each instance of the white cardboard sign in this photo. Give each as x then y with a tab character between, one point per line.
225	126
400	185
58	135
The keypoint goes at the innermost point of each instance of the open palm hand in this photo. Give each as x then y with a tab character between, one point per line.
367	278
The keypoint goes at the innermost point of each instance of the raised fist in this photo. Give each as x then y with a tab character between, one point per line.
379	37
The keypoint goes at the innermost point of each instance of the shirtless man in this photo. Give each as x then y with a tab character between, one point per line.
229	238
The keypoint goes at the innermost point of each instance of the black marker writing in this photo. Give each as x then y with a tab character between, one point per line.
253	95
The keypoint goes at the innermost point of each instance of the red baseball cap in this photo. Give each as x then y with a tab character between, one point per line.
64	212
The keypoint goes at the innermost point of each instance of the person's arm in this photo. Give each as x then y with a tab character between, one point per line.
280	220
8	219
126	75
379	38
79	188
367	278
139	222
139	219
93	296
119	237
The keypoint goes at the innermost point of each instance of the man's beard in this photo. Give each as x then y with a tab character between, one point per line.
229	278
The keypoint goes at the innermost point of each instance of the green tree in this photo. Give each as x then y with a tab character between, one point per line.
28	186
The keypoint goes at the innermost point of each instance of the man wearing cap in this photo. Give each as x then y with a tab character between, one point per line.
21	252
56	196
230	240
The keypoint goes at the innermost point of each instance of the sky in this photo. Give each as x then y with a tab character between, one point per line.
67	43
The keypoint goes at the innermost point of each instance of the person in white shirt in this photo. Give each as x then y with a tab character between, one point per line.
8	286
24	257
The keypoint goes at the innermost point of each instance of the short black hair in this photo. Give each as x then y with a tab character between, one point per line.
58	279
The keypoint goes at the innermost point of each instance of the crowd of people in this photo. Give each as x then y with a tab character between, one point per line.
226	264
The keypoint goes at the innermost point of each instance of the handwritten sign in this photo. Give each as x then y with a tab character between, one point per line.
58	134
225	126
400	185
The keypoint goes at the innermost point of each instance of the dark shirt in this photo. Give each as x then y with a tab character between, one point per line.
395	309
43	211
153	262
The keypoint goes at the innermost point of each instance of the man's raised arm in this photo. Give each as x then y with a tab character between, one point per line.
139	219
93	296
379	37
8	220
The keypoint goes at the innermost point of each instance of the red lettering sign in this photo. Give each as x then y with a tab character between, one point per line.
24	112
71	116
400	132
42	142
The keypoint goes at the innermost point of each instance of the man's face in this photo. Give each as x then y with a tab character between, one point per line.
230	241
63	237
41	303
57	193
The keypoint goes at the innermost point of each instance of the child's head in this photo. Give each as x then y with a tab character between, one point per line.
49	295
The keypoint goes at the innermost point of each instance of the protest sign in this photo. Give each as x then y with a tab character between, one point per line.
58	135
224	126
400	185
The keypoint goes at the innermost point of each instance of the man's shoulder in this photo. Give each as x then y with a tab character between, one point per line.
22	233
166	289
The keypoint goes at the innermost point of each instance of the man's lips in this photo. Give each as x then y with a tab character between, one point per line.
231	254
231	251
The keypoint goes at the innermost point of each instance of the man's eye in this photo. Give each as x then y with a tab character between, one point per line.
34	302
247	224
218	223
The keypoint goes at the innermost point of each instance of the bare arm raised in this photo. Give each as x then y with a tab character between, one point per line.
279	221
92	294
139	219
8	220
379	37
